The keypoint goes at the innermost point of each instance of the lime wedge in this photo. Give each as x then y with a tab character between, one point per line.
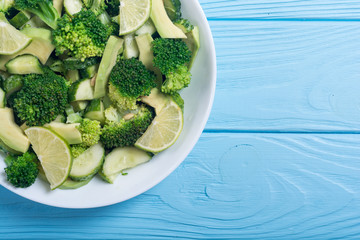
11	39
132	15
164	129
53	152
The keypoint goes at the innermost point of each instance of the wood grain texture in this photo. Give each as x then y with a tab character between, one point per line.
287	76
232	186
282	9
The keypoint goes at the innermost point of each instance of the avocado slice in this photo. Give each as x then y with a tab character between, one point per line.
11	134
147	56
68	131
113	47
193	43
162	22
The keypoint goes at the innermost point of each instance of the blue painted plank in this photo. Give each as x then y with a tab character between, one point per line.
282	9
232	186
286	76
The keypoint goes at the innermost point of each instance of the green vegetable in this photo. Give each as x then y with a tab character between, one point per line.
20	19
108	61
173	8
129	79
112	7
125	132
6	5
184	24
90	132
42	98
74	63
23	171
44	9
12	84
176	80
24	64
171	57
82	36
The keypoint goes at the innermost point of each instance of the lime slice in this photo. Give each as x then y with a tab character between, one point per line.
164	129
11	39
132	15
53	152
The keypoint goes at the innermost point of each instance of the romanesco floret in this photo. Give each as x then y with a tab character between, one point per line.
125	132
44	9
23	170
171	57
82	36
129	79
41	99
90	132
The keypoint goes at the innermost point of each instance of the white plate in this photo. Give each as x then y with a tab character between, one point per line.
198	102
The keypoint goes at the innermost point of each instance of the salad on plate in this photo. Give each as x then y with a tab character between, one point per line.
90	87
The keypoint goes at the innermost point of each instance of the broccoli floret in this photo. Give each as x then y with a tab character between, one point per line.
82	36
113	7
6	5
171	57
44	9
184	24
23	170
90	132
41	99
176	80
129	79
125	132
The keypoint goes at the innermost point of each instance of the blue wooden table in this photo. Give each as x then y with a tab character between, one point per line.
280	155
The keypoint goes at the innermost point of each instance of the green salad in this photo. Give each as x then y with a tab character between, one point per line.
90	87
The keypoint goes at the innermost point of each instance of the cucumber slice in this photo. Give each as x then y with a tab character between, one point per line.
81	90
74	63
113	46
130	47
24	64
88	163
70	184
67	131
20	19
2	98
72	6
120	159
12	84
95	111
